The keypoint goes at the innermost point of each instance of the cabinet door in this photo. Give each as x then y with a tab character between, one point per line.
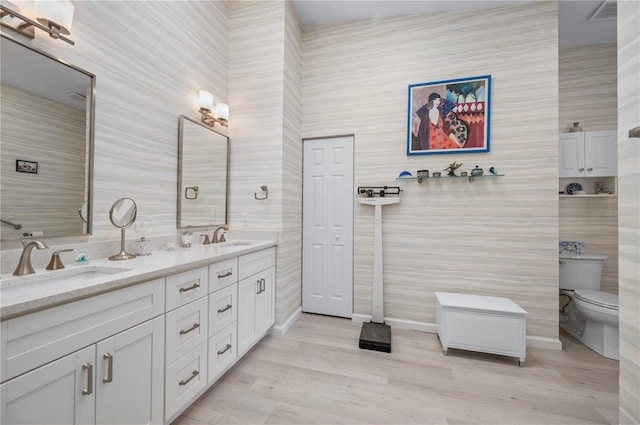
130	376
601	153
247	292
61	392
571	155
265	302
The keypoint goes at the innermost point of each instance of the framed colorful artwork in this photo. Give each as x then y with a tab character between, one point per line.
450	116
26	166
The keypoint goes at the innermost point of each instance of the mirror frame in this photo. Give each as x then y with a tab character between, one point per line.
181	121
91	134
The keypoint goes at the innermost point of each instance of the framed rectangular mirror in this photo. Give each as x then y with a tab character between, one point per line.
203	175
47	131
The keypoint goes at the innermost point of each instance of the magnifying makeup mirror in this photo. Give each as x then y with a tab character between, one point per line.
123	214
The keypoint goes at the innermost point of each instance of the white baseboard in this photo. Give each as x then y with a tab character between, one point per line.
282	328
542	342
532	341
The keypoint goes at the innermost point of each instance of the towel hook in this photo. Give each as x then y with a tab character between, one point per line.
265	189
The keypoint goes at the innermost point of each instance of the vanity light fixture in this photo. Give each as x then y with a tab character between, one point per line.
53	17
210	112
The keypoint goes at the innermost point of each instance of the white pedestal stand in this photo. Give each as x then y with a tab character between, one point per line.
376	335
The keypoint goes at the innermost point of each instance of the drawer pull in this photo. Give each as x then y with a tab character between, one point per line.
190	288
194	327
259	287
109	358
89	368
222	276
193	375
222	310
227	348
262	285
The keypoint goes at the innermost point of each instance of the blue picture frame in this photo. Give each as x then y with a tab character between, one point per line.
449	116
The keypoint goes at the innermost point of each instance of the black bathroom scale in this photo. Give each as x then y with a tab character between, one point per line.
375	336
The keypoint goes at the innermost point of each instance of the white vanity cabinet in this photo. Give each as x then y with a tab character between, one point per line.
588	154
256	297
84	362
223	317
186	337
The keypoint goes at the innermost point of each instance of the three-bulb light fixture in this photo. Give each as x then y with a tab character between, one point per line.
212	112
53	17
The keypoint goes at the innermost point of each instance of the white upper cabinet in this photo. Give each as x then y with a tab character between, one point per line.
588	154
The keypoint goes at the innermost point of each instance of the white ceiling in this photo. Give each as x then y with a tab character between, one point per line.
574	27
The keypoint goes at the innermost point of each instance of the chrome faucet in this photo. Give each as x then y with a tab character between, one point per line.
220	238
24	265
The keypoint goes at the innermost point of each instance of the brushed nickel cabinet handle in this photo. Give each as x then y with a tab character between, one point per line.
109	358
259	287
227	348
262	285
193	375
89	368
186	331
222	310
191	288
227	274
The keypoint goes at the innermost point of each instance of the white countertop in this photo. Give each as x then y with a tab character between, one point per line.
479	303
21	295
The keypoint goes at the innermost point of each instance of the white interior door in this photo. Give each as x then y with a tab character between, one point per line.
327	222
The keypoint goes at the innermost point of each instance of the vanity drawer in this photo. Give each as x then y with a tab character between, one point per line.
186	328
184	379
182	288
255	262
38	338
223	274
222	351
223	308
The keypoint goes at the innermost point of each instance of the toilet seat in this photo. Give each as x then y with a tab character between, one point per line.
598	298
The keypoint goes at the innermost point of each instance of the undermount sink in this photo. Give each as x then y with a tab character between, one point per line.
231	244
68	275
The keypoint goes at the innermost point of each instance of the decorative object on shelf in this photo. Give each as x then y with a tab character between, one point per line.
463	174
405	174
449	116
576	128
423	174
571	247
477	171
452	168
599	190
493	171
381	191
437	174
573	187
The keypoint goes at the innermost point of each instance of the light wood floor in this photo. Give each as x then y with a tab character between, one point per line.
315	374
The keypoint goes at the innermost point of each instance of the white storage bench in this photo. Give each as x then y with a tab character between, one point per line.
493	325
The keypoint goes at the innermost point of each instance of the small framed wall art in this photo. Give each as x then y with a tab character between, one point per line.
450	116
26	166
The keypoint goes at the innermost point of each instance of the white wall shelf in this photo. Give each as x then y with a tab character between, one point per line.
446	177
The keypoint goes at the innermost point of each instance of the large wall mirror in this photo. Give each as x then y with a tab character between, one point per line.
46	131
203	175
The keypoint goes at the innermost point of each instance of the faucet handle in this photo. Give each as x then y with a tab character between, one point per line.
56	263
206	241
222	238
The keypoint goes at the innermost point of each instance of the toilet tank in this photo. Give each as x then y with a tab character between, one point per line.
581	271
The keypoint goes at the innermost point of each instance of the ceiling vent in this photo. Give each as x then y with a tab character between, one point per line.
607	10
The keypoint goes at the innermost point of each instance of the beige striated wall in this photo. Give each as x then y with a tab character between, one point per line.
494	236
588	78
264	86
629	209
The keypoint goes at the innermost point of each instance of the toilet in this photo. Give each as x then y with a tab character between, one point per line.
593	314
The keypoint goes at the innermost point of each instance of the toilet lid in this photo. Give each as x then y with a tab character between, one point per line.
600	298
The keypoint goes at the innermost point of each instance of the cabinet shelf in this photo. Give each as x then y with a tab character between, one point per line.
470	178
591	195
